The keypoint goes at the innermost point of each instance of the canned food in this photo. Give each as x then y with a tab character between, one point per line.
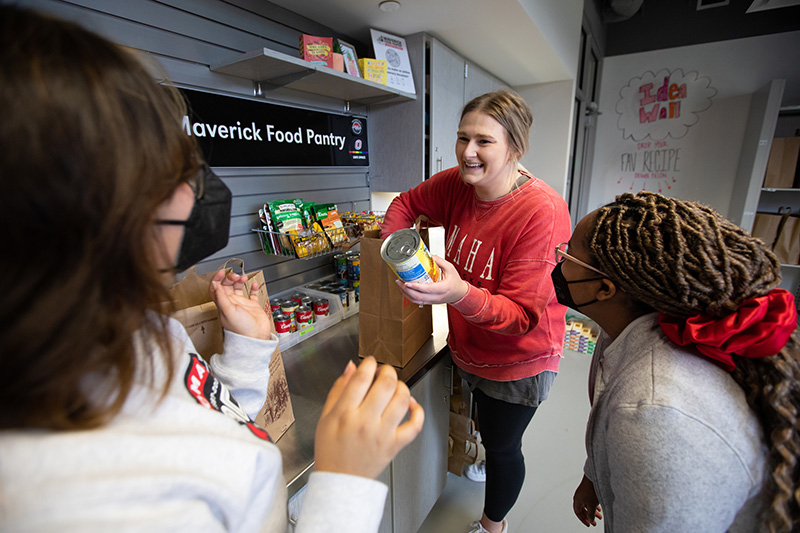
406	254
304	317
341	265
297	297
342	295
275	304
307	301
314	286
357	287
321	307
351	297
283	325
354	266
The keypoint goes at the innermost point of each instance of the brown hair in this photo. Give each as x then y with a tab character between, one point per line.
683	258
511	111
91	147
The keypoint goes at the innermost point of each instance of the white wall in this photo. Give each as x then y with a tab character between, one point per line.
707	142
551	134
560	24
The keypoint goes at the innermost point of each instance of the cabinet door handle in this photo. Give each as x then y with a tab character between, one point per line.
439	164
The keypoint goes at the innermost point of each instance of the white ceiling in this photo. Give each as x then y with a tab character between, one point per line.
500	35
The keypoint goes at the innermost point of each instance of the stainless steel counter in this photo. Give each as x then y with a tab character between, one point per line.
311	368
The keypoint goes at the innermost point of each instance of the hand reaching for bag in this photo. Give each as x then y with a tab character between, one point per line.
238	313
361	428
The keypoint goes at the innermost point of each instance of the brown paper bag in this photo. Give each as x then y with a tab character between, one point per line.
464	449
766	226
198	314
391	328
787	244
782	163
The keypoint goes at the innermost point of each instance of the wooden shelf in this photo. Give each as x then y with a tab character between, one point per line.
274	69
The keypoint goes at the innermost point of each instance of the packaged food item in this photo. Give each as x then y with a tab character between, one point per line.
405	252
304	316
283	325
321	307
353	266
327	216
373	69
341	265
317	50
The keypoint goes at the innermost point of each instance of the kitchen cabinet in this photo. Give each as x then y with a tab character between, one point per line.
750	196
410	141
419	472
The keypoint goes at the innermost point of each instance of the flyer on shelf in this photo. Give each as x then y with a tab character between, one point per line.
393	50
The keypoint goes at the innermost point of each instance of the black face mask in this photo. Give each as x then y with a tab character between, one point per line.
561	286
207	228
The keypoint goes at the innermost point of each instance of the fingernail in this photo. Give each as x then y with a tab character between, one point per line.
348	367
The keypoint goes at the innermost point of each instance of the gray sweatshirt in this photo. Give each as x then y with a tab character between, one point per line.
191	462
672	445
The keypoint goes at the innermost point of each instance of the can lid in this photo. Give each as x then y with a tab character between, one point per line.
400	245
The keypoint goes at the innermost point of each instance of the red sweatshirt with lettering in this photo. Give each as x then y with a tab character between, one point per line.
509	325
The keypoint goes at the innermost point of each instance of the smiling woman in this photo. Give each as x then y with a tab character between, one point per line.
506	327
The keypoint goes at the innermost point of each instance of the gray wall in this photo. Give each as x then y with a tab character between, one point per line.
184	37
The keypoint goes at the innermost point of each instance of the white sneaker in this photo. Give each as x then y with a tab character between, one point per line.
477	527
476	472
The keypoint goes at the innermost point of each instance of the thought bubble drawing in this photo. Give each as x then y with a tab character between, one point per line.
661	105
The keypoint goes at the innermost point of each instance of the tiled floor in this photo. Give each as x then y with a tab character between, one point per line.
554	454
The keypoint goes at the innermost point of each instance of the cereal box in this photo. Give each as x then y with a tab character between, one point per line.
317	50
373	69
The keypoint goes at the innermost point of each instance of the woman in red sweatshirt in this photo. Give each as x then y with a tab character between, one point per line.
506	327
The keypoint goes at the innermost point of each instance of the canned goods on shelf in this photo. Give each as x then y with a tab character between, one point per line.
354	266
321	307
340	261
307	301
304	317
297	297
342	295
275	304
283	325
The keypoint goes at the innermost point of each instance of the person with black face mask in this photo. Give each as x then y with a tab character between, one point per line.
110	421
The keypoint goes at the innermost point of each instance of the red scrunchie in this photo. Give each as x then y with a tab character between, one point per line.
759	328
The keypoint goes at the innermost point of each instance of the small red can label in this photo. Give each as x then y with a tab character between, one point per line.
304	316
321	307
283	325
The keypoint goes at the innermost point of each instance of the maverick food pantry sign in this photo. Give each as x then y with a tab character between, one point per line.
235	132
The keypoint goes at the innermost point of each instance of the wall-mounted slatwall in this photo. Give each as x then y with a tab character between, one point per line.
184	37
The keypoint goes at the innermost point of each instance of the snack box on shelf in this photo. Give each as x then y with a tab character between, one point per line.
336	313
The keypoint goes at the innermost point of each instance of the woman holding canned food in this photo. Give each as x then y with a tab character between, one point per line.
506	327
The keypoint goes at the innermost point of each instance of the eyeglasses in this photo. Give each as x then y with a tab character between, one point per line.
561	254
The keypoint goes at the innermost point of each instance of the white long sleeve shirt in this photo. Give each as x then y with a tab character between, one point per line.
192	461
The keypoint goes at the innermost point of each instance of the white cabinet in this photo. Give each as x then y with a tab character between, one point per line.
410	141
750	196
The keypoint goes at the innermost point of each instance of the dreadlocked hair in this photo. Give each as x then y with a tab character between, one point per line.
684	259
772	388
680	258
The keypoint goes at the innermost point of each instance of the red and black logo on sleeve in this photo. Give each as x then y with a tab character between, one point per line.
212	394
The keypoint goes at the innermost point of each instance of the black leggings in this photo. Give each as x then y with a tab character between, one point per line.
502	425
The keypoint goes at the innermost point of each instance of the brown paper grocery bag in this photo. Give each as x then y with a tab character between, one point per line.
198	314
390	327
787	244
782	163
766	226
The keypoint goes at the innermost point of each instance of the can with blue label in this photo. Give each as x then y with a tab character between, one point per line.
406	253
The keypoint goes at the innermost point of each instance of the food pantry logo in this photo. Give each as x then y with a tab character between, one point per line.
356	126
655	110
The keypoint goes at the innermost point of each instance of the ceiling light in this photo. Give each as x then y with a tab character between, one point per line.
389	6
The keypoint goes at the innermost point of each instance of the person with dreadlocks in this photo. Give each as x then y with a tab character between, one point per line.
695	381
